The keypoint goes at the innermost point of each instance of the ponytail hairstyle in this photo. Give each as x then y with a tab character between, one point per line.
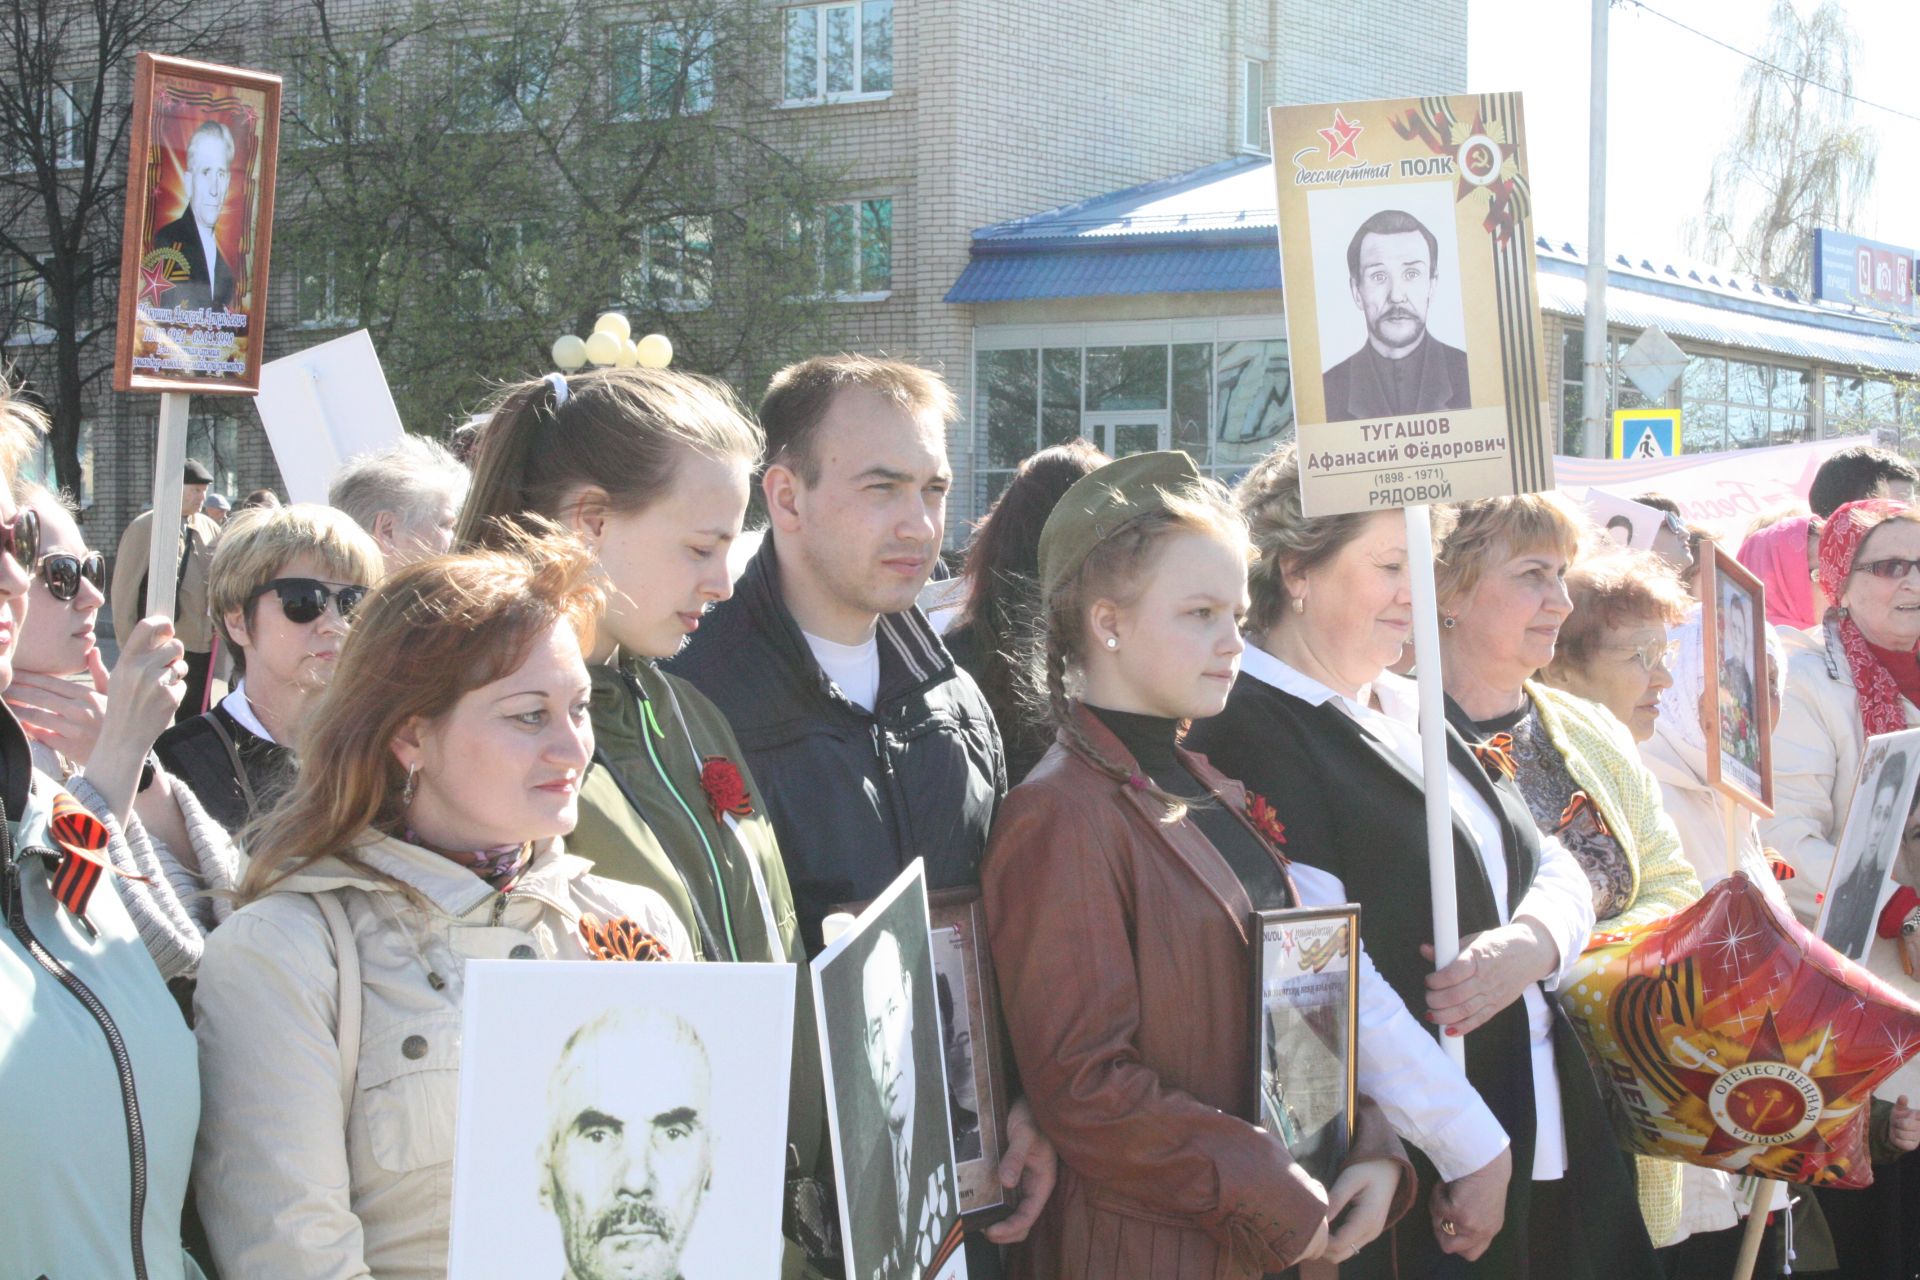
621	429
424	638
1118	569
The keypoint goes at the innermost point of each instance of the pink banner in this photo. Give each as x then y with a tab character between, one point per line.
1725	492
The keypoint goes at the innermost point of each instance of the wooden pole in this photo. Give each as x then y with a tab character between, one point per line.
1433	755
1756	1227
169	466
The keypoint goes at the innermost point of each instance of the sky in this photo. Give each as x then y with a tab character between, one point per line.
1673	99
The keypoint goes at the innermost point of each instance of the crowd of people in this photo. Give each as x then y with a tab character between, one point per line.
469	714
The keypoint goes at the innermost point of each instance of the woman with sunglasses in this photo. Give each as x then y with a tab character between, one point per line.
95	736
1860	678
283	585
99	1083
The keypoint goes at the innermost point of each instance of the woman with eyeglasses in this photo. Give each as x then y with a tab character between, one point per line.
1860	678
99	1080
283	585
94	732
1505	582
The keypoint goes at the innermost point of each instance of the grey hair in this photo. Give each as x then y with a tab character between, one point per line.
213	129
402	478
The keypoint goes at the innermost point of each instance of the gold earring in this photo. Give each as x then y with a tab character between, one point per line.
1299	604
406	792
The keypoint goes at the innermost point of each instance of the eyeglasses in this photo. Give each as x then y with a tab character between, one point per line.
20	537
305	599
1676	526
1893	567
1650	655
63	573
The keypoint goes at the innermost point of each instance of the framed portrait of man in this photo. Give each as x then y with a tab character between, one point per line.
976	1050
1739	738
888	1108
198	227
1861	880
1413	318
622	1121
1306	1002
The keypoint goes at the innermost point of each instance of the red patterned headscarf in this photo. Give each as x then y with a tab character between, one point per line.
1847	528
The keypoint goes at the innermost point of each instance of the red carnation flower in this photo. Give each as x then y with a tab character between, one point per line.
726	789
1264	819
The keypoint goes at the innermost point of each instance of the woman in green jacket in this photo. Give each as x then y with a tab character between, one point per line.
651	470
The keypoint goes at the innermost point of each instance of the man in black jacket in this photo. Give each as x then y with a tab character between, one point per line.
870	746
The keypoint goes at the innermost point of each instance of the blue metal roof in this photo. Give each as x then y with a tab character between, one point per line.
1114	272
1213	230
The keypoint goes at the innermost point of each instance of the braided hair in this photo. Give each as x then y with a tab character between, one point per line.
1117	569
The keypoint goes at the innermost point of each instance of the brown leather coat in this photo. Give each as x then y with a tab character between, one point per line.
1125	968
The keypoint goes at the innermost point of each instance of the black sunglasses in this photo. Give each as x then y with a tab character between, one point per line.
20	538
63	572
304	599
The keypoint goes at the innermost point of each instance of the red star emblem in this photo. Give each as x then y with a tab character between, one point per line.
1341	137
154	283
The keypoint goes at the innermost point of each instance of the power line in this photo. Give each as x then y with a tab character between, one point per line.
1851	97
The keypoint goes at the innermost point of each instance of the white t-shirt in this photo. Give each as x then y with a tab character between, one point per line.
855	668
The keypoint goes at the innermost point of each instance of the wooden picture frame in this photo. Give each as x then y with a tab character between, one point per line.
193	295
1739	743
1306	1005
961	957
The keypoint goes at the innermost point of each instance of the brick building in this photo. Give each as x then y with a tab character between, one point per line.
944	117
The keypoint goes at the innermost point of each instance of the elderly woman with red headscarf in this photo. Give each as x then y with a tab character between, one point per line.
1784	556
1863	679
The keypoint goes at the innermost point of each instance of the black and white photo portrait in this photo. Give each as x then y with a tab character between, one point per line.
1394	266
1870	841
622	1121
889	1107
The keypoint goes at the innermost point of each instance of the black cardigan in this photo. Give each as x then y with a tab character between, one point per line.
1353	808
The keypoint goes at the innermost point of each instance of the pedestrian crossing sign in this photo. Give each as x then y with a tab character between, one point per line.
1646	433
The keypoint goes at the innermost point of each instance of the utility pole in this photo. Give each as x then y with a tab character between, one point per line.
1593	332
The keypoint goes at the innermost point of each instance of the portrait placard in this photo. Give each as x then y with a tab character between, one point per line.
1733	614
887	1100
1864	857
1306	1003
976	1050
1626	522
1413	321
199	223
621	1119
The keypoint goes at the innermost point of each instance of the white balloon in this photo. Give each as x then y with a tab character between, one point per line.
603	347
656	351
569	352
614	323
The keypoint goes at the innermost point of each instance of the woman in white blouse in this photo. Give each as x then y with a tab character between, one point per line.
1320	728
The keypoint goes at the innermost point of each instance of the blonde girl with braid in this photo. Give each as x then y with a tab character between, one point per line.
1119	881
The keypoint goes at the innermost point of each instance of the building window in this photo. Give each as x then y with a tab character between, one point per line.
853	244
1621	393
1857	405
1742	404
500	269
659	69
66	128
316	293
37	467
1227	404
338	94
1253	90
835	52
676	265
28	311
497	81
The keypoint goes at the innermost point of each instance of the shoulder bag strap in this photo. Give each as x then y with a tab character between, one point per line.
233	758
346	954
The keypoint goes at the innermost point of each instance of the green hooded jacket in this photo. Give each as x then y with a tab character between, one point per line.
645	819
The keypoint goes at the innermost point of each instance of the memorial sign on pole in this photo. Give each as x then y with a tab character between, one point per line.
1646	433
193	260
1406	251
1652	363
1406	248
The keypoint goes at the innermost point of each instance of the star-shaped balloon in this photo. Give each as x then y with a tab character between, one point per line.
1729	1036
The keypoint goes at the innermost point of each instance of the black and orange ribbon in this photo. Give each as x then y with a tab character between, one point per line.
1579	804
620	939
82	840
1496	756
